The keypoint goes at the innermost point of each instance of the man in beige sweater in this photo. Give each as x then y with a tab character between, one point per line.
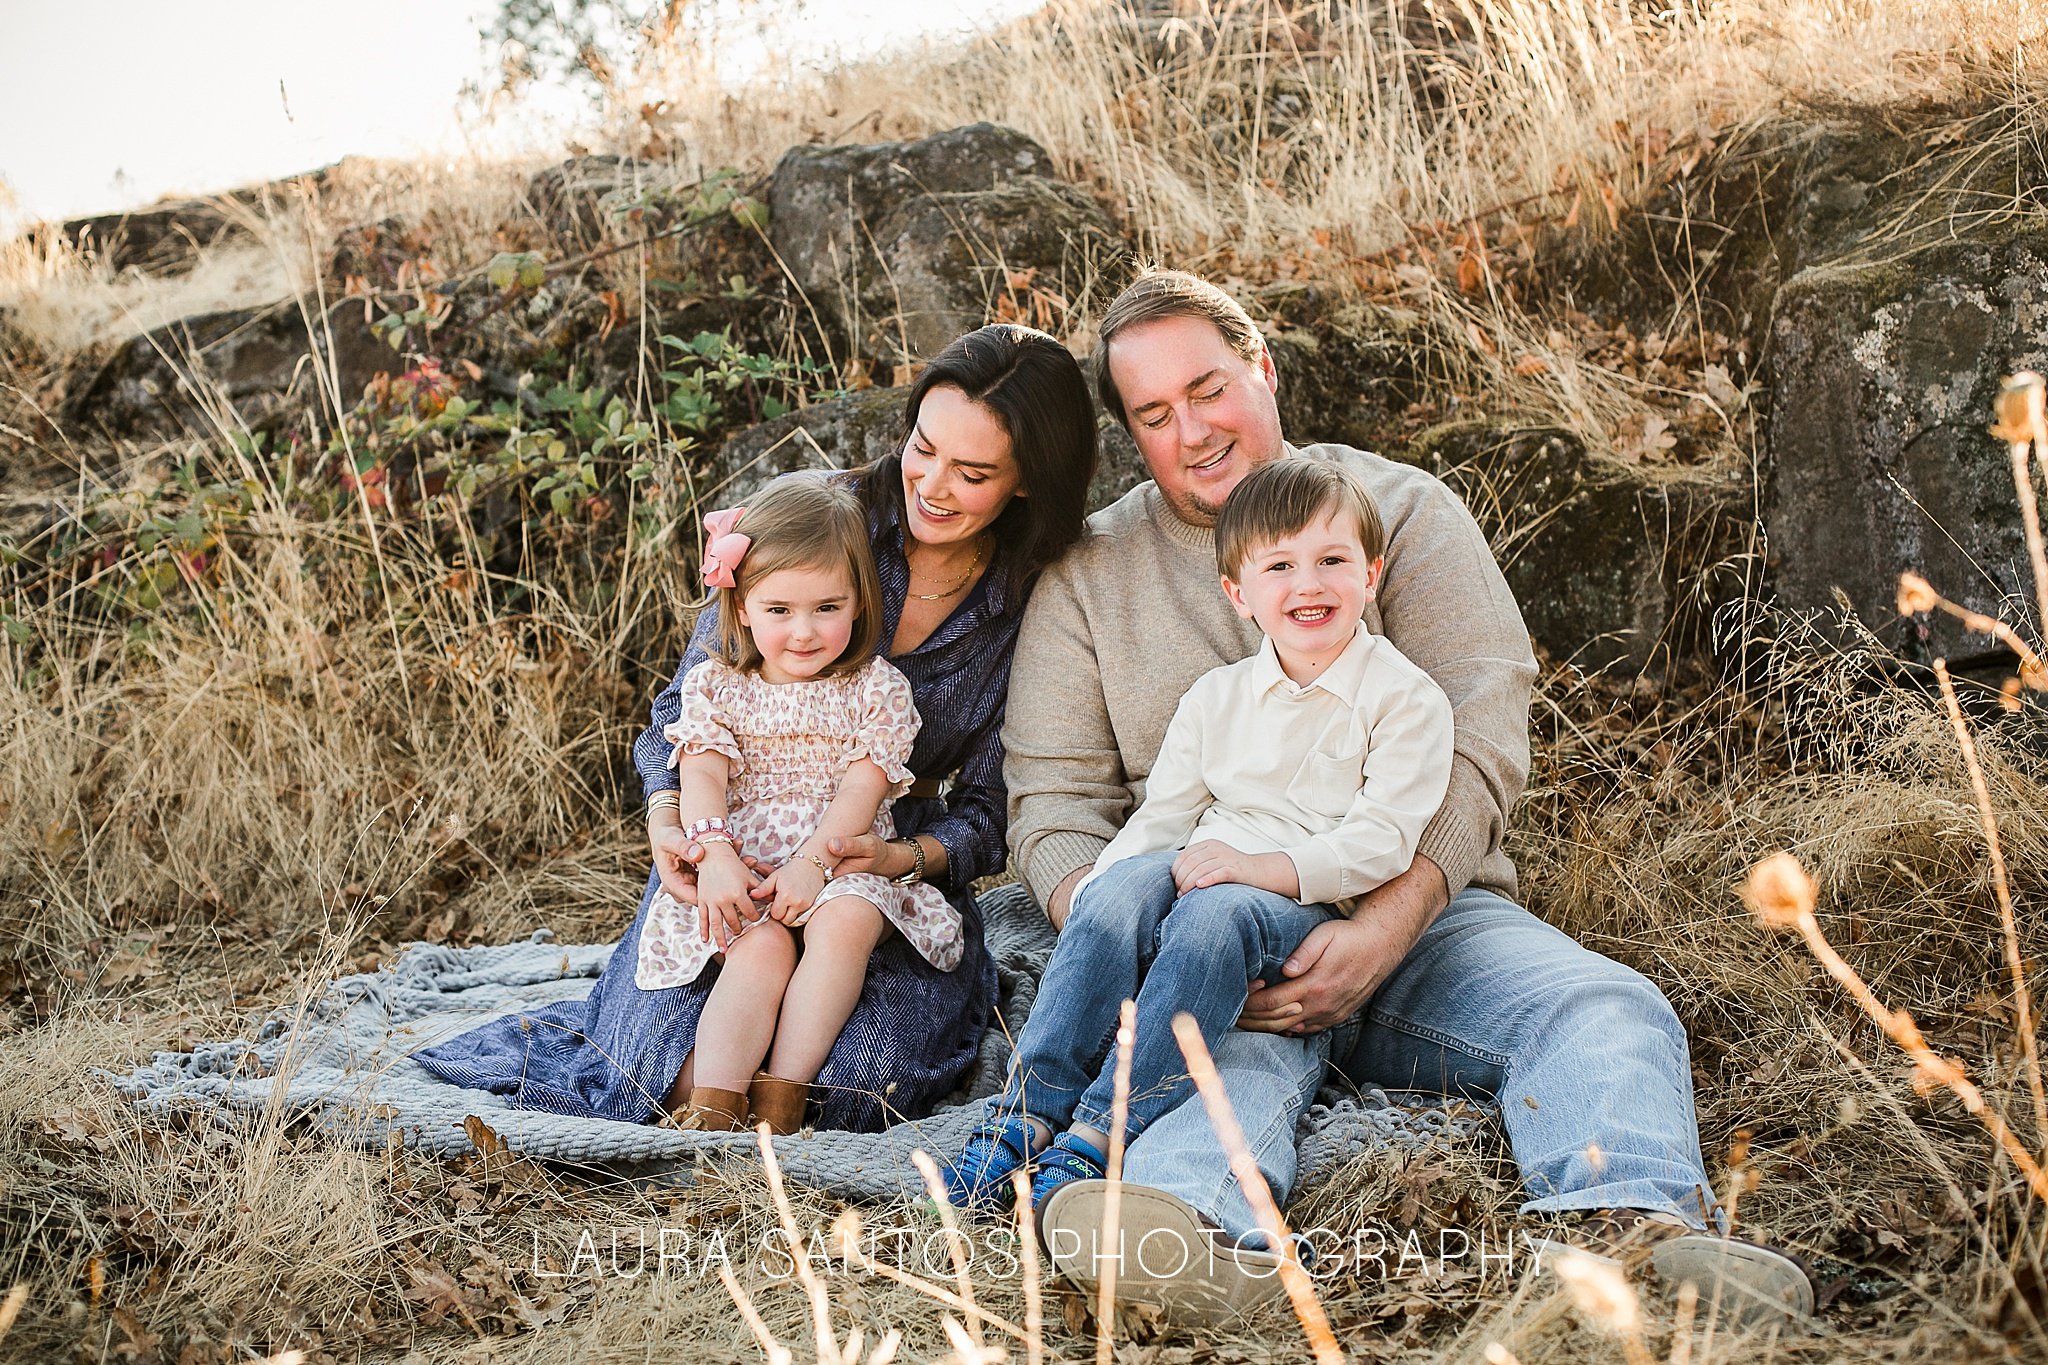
1438	980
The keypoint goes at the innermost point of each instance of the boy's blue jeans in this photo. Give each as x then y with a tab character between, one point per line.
1132	935
1583	1055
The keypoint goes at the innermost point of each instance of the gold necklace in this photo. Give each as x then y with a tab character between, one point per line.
980	551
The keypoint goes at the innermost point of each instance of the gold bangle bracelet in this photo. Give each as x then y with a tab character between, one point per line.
916	873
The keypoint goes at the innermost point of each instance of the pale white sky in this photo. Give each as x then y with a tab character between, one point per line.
106	104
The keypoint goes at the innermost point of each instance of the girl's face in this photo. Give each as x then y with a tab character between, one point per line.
801	619
958	473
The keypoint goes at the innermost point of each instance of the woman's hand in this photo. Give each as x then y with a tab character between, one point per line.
676	856
724	902
869	853
791	890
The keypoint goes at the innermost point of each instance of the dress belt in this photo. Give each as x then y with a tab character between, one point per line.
929	788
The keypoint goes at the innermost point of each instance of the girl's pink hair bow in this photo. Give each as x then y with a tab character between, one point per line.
724	547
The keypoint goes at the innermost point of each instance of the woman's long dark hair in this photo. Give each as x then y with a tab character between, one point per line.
1035	388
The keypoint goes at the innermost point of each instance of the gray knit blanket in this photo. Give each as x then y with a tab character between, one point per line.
345	1062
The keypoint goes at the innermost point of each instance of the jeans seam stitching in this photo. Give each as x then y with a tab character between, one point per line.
1437	1036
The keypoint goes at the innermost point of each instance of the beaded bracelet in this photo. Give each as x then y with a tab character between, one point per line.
696	829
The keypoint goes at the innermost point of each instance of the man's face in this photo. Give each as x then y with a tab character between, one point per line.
1202	415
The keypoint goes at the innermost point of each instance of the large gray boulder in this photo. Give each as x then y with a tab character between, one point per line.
1611	563
843	433
905	245
1880	461
260	368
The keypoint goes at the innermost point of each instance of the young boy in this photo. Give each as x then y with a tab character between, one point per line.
1289	784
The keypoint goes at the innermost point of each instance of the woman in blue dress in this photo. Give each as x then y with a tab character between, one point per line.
989	486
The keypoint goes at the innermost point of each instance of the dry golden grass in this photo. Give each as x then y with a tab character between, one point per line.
204	817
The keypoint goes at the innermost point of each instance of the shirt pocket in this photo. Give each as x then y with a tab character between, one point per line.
1329	782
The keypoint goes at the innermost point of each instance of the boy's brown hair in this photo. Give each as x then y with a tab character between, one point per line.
801	521
1282	496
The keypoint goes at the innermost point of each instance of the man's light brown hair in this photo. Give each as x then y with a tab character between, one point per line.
1283	496
802	521
1160	294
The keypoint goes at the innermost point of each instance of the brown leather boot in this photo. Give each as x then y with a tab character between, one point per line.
778	1103
711	1110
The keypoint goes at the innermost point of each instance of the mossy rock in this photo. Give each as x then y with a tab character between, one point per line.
1609	562
1879	458
905	245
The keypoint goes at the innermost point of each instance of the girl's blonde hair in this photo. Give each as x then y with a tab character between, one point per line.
801	521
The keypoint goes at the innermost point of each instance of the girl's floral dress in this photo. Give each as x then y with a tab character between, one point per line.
789	745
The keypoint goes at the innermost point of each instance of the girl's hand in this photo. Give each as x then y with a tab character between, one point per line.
792	890
676	856
724	884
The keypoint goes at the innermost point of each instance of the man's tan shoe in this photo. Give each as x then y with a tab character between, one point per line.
1745	1285
1171	1256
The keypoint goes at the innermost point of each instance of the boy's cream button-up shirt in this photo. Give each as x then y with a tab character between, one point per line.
1341	774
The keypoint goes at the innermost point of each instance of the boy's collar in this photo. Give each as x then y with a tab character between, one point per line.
1341	679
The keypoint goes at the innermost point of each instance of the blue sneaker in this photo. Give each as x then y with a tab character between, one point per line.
1070	1158
978	1180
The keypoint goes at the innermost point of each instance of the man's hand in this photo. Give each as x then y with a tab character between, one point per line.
1063	897
1343	961
1210	862
872	853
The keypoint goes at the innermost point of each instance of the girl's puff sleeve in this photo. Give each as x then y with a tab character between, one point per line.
702	725
885	724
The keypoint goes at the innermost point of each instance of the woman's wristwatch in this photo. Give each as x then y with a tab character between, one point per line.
916	873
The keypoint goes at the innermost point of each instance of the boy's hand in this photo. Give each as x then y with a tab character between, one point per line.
791	890
724	905
1210	862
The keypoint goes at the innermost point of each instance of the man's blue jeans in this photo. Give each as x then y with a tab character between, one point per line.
1585	1057
1133	935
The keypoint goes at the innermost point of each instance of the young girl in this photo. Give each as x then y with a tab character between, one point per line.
793	733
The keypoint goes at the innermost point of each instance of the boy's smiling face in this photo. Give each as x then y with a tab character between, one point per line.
1307	591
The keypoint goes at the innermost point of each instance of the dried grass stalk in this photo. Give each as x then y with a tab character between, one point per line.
1301	1292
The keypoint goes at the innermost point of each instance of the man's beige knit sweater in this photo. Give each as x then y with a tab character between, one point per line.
1119	628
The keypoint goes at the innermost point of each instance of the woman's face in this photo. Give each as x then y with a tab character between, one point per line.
958	473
